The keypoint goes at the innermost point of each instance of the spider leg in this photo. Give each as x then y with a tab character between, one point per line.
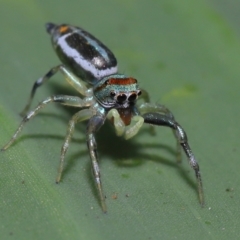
78	117
151	107
164	120
73	80
146	98
94	124
158	108
63	99
145	95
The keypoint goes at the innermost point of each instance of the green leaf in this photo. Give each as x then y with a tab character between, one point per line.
186	56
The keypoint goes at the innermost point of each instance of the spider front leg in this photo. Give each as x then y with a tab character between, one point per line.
73	80
158	108
63	99
164	120
93	125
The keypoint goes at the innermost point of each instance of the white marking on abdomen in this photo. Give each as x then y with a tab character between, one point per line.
71	52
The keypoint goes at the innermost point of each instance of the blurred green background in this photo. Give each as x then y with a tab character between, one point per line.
186	54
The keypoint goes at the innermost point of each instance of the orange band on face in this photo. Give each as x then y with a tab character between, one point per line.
122	81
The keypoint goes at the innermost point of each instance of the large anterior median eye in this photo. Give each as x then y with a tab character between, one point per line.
132	97
121	97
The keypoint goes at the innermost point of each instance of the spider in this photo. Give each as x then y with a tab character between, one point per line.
91	68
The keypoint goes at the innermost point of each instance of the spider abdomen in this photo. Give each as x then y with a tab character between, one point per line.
82	53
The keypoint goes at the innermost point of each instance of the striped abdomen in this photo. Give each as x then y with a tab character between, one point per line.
82	53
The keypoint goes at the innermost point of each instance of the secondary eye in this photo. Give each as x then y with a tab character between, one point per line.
112	94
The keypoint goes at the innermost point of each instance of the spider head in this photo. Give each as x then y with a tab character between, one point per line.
117	91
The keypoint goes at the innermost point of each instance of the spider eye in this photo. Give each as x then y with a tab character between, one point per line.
132	97
121	97
139	93
112	94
